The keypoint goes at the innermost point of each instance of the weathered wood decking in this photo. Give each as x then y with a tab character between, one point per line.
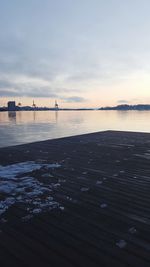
103	191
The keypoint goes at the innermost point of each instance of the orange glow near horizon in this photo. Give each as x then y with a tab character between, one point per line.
132	90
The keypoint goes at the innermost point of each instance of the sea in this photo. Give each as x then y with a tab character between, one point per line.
22	127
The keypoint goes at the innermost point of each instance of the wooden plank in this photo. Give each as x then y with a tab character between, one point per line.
84	233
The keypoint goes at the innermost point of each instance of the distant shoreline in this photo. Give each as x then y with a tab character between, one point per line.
138	107
47	109
125	107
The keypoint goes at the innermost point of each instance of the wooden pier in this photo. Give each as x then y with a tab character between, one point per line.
100	213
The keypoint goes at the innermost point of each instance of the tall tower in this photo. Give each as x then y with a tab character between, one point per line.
56	105
33	105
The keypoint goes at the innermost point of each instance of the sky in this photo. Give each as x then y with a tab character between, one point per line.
83	53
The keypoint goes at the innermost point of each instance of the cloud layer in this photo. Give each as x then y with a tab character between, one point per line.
66	50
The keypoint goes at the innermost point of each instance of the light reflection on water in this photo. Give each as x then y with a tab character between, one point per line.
30	126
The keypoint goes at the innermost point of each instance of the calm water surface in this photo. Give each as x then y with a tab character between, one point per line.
30	126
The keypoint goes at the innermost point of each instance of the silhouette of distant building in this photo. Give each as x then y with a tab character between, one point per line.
11	106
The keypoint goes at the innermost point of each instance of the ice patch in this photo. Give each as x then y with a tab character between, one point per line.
36	211
27	191
34	195
61	180
99	182
121	244
55	185
103	205
84	189
71	199
13	170
132	230
5	204
122	171
6	187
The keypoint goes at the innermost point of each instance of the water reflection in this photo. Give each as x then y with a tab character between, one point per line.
30	126
56	115
12	116
123	114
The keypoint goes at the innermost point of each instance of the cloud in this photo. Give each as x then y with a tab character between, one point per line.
73	99
122	101
22	86
46	52
19	85
41	93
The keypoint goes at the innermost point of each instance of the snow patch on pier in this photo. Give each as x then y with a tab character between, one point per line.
13	170
33	196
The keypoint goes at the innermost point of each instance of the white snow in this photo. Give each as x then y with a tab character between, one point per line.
132	230
13	170
34	195
5	204
61	180
103	205
99	182
84	189
121	244
122	171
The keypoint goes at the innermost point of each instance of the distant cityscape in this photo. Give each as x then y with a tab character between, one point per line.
11	106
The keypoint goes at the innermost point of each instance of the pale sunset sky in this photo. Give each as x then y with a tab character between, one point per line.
84	53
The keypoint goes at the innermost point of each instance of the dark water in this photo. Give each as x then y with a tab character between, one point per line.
30	126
